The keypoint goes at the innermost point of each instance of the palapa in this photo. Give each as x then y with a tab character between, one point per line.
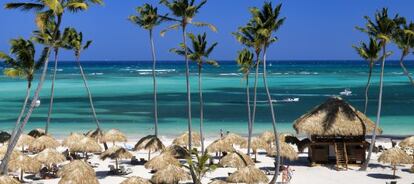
286	151
3	151
335	117
407	142
151	143
86	145
177	151
267	136
171	174
24	164
219	145
8	180
256	144
72	139
182	140
249	175
114	135
161	161
395	156
236	159
50	156
77	171
135	180
43	142
233	138
116	153
25	140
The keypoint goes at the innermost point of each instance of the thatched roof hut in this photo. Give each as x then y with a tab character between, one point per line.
267	136
177	151
286	151
395	156
8	180
24	164
161	161
38	132
114	135
249	175
4	136
257	143
135	180
182	140
407	142
170	174
116	153
236	159
43	142
50	156
220	145
151	143
77	171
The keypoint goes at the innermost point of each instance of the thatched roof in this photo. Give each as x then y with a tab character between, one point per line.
170	174
116	152
72	139
219	145
257	143
161	161
3	151
50	156
286	151
135	180
25	140
233	138
249	175
25	163
267	136
86	144
407	142
37	132
95	134
218	182
177	151
236	159
182	140
8	180
77	171
43	142
150	143
335	117
4	136
114	135
395	156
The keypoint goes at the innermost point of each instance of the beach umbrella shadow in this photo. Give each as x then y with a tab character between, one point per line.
382	176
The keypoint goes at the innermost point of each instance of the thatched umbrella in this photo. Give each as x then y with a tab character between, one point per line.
257	143
86	145
95	134
236	159
249	175
267	136
25	140
286	151
177	151
3	151
219	145
77	171
161	161
50	156
395	156
4	137
335	117
8	180
233	138
72	139
114	135
171	174
43	142
182	140
151	143
407	142
115	153
38	132
24	164
135	180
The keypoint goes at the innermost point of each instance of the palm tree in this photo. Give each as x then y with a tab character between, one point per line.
404	38
371	54
200	167
382	29
245	62
268	21
147	19
44	10
199	53
185	11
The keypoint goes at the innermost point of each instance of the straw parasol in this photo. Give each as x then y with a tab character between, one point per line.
219	145
86	145
171	174
335	117
25	140
114	135
161	161
286	151
407	142
177	151
8	180
77	171
3	151
50	156
233	138
72	139
182	140
151	143
38	132
395	156
267	136
116	153
43	142
95	134
135	180
4	137
236	159
257	143
24	164
249	175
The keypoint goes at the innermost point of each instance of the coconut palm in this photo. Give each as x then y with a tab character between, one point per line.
245	62
148	19
404	38
370	52
382	29
268	21
199	53
44	10
200	166
185	11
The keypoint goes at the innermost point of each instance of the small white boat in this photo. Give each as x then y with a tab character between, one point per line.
346	92
37	104
291	99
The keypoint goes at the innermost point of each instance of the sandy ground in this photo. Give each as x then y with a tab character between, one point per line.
303	174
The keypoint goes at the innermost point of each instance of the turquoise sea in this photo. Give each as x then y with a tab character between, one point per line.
123	96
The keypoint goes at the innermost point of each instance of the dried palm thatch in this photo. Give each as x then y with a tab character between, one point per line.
50	156
286	151
335	117
177	151
151	143
236	159
38	132
182	140
72	139
77	171
135	180
4	136
161	161
249	175
170	174
24	164
395	156
257	143
407	142
95	134
25	140
3	151
114	135
43	142
267	136
233	138
220	145
8	180
116	153
87	145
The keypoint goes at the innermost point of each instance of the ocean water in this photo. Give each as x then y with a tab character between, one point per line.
122	93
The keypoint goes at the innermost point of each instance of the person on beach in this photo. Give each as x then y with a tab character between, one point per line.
284	174
289	173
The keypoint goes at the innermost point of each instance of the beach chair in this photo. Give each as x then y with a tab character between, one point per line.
391	182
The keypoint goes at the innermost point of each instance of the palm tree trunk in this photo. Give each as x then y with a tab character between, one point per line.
377	122
200	92
187	78
249	117
371	65
256	78
52	92
405	69
269	99
154	85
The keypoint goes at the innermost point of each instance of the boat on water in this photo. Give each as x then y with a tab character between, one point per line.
346	92
287	100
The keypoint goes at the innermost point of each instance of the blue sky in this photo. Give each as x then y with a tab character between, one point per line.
317	29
